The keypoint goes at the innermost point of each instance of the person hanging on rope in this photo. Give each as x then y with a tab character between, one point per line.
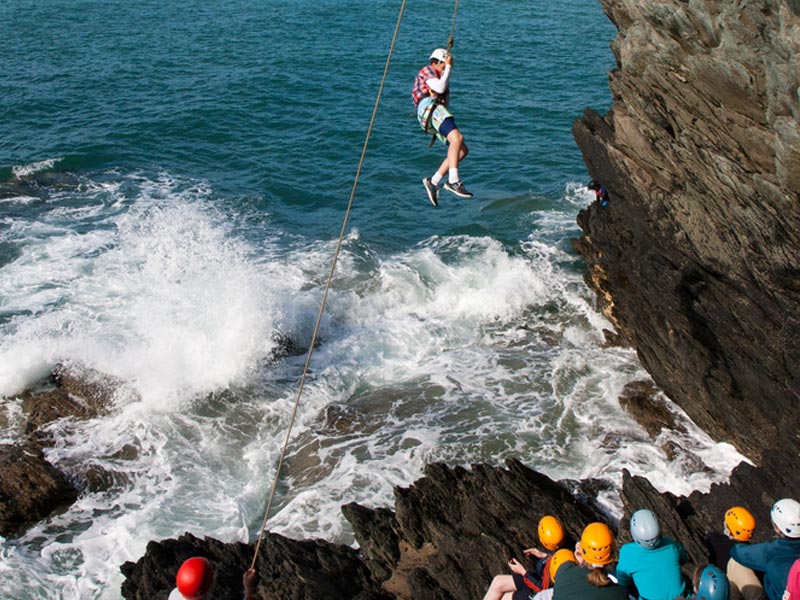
431	96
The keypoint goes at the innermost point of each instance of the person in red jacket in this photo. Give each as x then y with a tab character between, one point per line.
431	95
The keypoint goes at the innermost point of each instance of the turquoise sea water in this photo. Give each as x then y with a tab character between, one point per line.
173	178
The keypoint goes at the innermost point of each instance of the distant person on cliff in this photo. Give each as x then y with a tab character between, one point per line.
738	527
601	195
196	578
651	562
523	584
589	578
431	95
774	559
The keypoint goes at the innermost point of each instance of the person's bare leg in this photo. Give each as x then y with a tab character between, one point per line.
501	584
457	150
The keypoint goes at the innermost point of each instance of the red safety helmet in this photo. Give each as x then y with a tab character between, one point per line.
195	577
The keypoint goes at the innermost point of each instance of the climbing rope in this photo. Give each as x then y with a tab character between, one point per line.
450	41
328	286
452	27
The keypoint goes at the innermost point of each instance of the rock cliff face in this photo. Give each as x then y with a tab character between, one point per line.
446	537
697	256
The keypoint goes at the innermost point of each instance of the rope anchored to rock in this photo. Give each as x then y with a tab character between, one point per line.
327	288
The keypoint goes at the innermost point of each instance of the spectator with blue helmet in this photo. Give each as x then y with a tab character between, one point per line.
710	583
651	562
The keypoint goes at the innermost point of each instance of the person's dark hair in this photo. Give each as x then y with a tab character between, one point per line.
593	185
698	573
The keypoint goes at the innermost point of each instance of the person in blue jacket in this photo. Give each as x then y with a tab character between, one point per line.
651	562
774	559
601	195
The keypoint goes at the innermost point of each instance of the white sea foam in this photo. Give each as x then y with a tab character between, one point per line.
161	297
459	350
20	171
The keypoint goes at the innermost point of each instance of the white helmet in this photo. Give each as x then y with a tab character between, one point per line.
645	529
785	515
439	54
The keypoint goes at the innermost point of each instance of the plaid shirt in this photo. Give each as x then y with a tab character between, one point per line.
421	88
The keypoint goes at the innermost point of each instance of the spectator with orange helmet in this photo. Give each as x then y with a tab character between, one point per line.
523	584
738	526
589	578
559	558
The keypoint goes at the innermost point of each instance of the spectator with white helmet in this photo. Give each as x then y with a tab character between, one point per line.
773	559
651	562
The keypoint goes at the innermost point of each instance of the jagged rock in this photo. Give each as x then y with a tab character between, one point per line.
468	522
46	407
695	257
30	487
286	568
378	537
79	392
639	399
284	346
448	535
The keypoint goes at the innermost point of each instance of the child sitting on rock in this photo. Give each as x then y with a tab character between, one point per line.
738	527
651	562
523	584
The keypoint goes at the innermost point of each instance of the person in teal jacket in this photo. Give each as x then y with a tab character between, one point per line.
774	558
651	562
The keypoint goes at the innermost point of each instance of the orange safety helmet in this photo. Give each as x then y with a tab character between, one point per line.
195	577
597	544
551	532
558	559
740	523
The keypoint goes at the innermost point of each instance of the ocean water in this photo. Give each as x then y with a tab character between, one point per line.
173	179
